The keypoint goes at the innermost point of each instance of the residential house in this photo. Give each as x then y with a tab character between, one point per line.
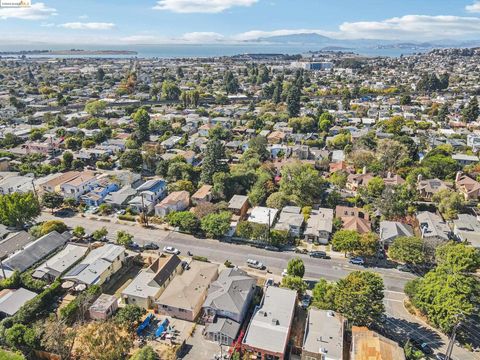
319	226
60	262
324	337
276	137
469	188
356	181
202	195
427	188
98	266
15	183
393	179
464	159
238	205
390	230
263	215
291	221
79	185
98	194
184	296
150	283
367	344
433	228
268	332
35	251
119	199
103	308
353	219
151	191
467	228
227	304
14	242
54	184
11	300
175	201
171	142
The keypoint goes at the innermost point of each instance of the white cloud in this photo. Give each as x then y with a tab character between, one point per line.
200	6
88	26
83	17
413	27
202	37
36	11
474	8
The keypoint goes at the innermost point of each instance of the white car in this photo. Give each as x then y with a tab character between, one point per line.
255	264
284	272
171	250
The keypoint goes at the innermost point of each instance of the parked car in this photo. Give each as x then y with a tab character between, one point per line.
121	212
135	247
301	251
151	246
357	261
319	255
423	346
255	264
271	248
440	356
306	300
284	272
171	250
270	282
404	268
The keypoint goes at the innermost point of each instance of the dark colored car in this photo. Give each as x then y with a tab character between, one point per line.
319	254
135	247
151	246
423	346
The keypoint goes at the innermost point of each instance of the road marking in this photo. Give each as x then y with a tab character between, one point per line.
394	292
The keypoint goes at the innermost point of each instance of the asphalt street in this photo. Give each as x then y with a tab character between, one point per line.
399	324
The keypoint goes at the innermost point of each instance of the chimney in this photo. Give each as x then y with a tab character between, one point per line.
459	175
364	170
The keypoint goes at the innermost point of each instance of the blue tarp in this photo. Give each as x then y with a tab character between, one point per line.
144	324
161	328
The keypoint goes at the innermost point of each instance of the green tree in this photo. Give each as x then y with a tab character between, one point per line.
99	234
458	257
231	83
79	231
277	200
124	238
471	111
407	249
339	141
375	187
53	225
359	297
95	107
213	161
170	91
132	159
216	225
368	245
449	203
339	179
21	337
296	268
394	125
129	316
18	209
323	295
293	101
391	154
100	75
181	185
301	183
184	220
67	159
346	241
294	283
142	122
145	353
52	200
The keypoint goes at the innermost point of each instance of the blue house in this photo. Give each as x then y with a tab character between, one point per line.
152	191
97	195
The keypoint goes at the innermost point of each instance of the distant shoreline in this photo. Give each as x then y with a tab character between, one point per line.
69	52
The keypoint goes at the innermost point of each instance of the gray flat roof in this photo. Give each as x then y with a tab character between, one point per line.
11	300
270	325
324	333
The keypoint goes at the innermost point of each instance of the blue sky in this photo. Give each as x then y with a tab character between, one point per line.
230	21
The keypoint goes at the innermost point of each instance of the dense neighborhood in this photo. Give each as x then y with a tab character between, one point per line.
332	201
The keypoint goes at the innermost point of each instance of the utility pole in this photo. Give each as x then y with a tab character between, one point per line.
35	190
3	270
451	343
268	233
145	217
